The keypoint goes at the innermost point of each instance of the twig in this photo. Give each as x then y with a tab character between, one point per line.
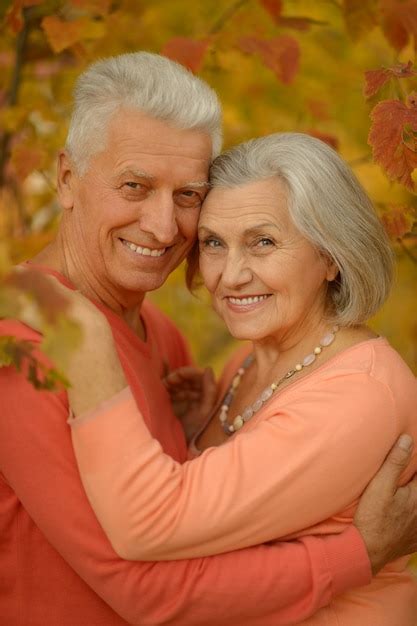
226	15
408	252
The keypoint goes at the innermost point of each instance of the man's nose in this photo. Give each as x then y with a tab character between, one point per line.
158	218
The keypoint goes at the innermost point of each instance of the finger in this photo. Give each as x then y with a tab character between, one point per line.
209	391
395	463
182	374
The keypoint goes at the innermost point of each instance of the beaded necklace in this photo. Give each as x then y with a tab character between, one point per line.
267	393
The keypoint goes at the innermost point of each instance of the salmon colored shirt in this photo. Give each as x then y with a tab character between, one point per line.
57	568
298	467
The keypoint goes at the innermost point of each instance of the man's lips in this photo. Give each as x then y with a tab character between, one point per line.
143	250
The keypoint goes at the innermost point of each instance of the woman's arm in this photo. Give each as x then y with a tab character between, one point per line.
293	470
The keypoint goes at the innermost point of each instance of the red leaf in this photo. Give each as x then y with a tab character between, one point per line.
375	79
274	8
399	21
188	52
281	54
398	221
331	140
393	137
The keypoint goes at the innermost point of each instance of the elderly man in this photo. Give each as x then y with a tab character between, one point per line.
131	183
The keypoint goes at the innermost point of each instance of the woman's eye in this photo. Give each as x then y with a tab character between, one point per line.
210	243
264	242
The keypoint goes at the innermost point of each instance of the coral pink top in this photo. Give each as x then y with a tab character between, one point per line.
57	568
296	468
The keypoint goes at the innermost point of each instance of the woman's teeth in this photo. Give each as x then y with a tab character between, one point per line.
249	300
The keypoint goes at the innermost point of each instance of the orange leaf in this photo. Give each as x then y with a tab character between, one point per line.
38	286
189	52
281	54
360	16
398	221
393	137
274	8
62	34
375	79
399	21
25	159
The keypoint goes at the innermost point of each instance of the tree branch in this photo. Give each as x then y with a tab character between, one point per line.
226	15
13	93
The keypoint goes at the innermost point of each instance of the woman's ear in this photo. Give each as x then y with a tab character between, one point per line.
332	270
65	180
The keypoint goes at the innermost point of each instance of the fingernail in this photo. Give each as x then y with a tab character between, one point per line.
405	442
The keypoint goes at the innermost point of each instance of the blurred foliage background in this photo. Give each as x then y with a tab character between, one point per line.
277	66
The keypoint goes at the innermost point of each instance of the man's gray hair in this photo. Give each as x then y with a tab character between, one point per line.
329	207
146	82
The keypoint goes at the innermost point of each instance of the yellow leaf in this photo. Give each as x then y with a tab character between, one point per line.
12	118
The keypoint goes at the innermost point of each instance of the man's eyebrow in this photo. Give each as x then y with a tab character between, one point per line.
198	184
132	171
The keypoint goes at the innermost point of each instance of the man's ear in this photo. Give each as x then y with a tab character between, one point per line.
65	180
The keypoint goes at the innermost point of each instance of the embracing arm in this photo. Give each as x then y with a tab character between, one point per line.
280	584
286	474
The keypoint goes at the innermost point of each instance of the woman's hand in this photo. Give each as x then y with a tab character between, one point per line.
193	394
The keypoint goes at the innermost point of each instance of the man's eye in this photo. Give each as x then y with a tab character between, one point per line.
133	185
189	193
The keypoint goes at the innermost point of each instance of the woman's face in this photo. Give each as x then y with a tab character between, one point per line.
266	280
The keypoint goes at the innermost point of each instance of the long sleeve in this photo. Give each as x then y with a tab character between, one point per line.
309	459
280	584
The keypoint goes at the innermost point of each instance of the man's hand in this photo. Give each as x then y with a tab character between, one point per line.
387	514
193	394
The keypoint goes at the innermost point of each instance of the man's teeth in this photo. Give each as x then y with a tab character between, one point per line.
143	251
250	300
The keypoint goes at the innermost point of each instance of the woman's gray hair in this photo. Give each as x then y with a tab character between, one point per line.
144	81
329	207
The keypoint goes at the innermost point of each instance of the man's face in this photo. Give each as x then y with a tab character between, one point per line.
134	213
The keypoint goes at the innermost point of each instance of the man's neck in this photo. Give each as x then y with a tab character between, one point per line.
127	305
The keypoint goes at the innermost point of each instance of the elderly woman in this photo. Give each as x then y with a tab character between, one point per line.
295	261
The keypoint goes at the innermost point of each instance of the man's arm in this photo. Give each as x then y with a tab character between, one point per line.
284	583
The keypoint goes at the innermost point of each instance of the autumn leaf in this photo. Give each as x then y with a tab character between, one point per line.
399	21
393	137
375	79
99	7
26	158
331	140
188	52
398	221
274	8
14	16
38	288
281	54
360	16
60	33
